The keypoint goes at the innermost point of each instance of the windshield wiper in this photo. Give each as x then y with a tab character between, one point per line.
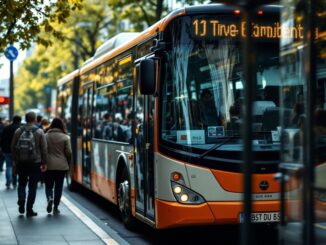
216	146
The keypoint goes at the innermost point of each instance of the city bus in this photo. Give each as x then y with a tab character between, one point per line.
155	118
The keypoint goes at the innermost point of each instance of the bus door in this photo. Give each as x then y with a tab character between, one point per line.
87	132
144	148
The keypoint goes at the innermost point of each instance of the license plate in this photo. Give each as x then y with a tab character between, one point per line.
262	217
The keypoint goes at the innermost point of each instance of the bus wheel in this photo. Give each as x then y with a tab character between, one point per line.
72	185
124	201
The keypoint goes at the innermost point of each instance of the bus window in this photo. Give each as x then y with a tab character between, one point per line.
104	101
123	111
203	88
113	109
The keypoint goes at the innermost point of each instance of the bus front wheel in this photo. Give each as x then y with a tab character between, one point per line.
124	201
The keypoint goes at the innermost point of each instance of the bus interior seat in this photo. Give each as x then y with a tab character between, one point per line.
259	107
271	118
272	93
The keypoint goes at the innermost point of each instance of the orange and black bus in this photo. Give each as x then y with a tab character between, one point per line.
155	118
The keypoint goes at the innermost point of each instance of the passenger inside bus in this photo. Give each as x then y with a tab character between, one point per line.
107	127
233	126
298	110
209	114
123	133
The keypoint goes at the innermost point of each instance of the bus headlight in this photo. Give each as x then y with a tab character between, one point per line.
185	195
177	189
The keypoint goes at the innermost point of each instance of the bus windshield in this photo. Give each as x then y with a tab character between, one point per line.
202	93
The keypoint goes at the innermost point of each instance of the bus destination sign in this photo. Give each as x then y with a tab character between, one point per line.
215	28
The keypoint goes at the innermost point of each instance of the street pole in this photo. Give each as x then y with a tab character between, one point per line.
11	54
11	91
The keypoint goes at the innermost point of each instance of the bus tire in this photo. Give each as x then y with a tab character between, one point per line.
72	185
124	201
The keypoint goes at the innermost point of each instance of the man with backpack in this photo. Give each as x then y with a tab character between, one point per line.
29	149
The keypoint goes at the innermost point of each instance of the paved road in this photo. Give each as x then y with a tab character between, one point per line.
108	214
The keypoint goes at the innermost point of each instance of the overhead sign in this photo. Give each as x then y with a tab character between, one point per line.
216	28
11	53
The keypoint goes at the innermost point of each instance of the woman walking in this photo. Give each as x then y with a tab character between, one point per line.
58	160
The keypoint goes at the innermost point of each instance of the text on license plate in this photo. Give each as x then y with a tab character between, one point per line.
262	217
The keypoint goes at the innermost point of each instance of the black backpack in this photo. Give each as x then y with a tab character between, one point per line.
26	146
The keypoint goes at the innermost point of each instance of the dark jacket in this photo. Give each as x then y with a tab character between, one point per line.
40	144
7	135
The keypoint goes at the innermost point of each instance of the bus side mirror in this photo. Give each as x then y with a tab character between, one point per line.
147	76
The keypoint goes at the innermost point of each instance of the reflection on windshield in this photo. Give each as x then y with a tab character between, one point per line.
202	93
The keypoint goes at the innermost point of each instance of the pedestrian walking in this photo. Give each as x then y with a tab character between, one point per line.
58	160
29	151
38	120
2	158
44	126
7	136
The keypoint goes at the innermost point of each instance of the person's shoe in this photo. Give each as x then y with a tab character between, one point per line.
21	204
49	207
31	213
56	210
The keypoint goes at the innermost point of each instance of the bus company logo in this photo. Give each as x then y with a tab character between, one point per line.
263	185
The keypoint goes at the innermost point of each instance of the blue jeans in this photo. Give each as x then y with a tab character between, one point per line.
2	160
54	180
31	176
10	178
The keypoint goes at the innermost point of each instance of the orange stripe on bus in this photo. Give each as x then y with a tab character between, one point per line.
77	173
320	211
229	212
233	182
104	186
173	214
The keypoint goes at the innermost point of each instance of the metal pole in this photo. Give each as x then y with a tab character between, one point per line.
76	57
310	142
250	79
11	91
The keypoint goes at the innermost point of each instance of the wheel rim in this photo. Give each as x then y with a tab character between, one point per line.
68	178
124	202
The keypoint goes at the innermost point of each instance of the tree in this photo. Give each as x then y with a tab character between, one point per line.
84	31
141	13
88	28
23	21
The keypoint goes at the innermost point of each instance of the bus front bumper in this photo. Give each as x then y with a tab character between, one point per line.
174	214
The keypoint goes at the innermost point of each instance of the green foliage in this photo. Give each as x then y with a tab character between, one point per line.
22	21
79	32
83	31
141	13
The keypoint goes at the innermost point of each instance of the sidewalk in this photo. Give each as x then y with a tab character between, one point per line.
45	228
